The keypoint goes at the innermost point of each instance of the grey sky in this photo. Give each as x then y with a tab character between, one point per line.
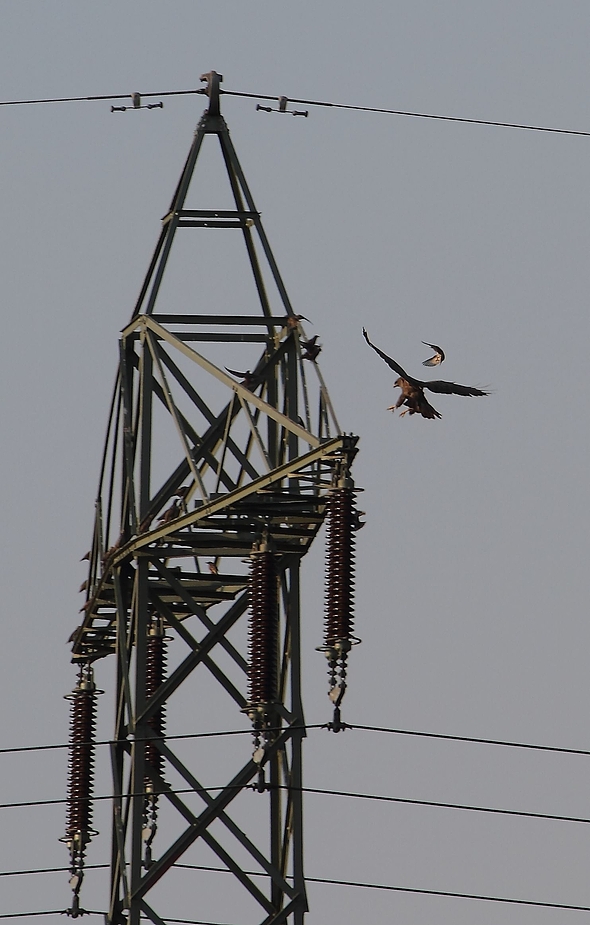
472	570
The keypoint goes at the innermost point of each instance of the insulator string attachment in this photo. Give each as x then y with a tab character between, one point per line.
79	829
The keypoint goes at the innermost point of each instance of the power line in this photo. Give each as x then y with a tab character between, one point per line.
320	880
475	809
17	915
116	796
457	738
185	921
102	98
322	792
320	103
416	115
490	899
27	915
404	889
47	870
382	729
190	735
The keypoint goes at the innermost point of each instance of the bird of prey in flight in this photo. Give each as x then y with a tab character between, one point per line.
413	389
438	357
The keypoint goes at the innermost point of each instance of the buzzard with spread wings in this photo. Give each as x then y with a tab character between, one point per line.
413	389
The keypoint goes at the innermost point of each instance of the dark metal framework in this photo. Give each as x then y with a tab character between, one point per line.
255	463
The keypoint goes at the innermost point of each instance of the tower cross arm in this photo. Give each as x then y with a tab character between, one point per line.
219	374
328	448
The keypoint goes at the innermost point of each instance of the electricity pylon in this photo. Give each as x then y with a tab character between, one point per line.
212	489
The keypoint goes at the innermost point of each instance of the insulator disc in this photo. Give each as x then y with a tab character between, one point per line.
338	621
263	630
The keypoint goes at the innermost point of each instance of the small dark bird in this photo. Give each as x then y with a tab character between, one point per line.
172	512
85	556
413	389
145	524
175	510
112	550
83	586
311	349
438	357
357	523
212	566
249	380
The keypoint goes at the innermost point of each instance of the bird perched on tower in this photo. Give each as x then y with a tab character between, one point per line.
292	321
249	379
171	513
311	348
413	389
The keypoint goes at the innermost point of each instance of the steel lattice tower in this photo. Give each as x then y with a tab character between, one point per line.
258	464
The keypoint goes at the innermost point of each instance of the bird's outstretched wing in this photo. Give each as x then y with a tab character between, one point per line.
452	388
391	363
435	385
438	357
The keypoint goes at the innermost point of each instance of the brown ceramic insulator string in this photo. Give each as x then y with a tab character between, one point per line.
338	620
262	630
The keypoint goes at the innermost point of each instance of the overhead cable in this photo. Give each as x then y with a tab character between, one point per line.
489	899
416	115
316	790
404	889
28	915
326	881
475	809
18	915
382	729
458	738
183	921
320	103
101	98
190	735
48	870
